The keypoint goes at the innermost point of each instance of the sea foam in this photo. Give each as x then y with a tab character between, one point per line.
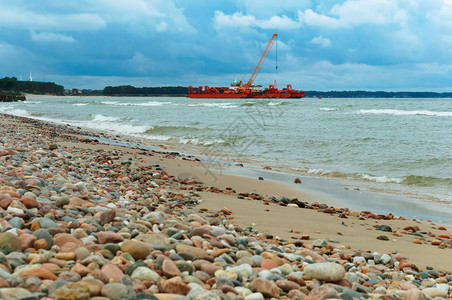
398	112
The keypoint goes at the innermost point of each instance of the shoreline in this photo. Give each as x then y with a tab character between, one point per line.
272	188
332	191
108	220
384	194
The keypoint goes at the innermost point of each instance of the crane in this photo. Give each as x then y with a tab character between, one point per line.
261	61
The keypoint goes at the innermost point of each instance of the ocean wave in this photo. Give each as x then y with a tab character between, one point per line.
426	181
150	103
16	112
219	105
158	137
328	109
171	129
102	118
398	112
318	172
36	114
381	179
264	103
198	141
128	129
80	104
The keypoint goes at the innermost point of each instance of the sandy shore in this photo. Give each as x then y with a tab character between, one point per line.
284	213
355	233
290	223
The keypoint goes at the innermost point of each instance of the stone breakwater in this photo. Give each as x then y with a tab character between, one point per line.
11	98
81	223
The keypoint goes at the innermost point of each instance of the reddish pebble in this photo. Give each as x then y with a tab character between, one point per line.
40	273
268	264
29	202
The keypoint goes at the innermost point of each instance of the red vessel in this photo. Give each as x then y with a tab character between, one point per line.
247	90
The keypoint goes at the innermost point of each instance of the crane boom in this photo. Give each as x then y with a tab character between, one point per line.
261	60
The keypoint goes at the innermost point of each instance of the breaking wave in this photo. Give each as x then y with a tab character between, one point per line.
398	112
328	109
102	118
219	105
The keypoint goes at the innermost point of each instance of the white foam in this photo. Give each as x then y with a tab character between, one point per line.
381	179
328	109
398	112
80	104
16	112
197	141
150	103
157	137
102	118
220	105
116	127
318	171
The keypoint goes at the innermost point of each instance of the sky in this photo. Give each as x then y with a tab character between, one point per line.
390	45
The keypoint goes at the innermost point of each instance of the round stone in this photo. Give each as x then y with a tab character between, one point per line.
327	271
138	250
9	242
145	274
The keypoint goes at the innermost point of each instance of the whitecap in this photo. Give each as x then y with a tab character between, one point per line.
381	179
398	112
102	118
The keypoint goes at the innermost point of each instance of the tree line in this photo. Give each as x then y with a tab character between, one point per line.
12	85
128	90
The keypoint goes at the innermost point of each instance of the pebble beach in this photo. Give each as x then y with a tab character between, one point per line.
80	219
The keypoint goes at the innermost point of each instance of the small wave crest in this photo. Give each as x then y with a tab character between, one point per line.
150	103
381	179
328	108
219	105
171	129
263	103
426	181
199	141
16	112
398	112
102	118
80	104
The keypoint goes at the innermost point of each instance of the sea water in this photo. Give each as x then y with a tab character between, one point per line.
397	146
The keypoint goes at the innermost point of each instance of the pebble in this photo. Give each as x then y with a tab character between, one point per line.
329	272
138	250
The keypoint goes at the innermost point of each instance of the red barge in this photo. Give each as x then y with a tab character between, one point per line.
247	90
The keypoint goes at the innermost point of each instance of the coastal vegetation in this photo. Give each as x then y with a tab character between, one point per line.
12	85
128	90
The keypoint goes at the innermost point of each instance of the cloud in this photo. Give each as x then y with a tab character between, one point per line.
145	15
87	15
238	19
321	41
161	27
441	16
51	37
22	18
354	13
